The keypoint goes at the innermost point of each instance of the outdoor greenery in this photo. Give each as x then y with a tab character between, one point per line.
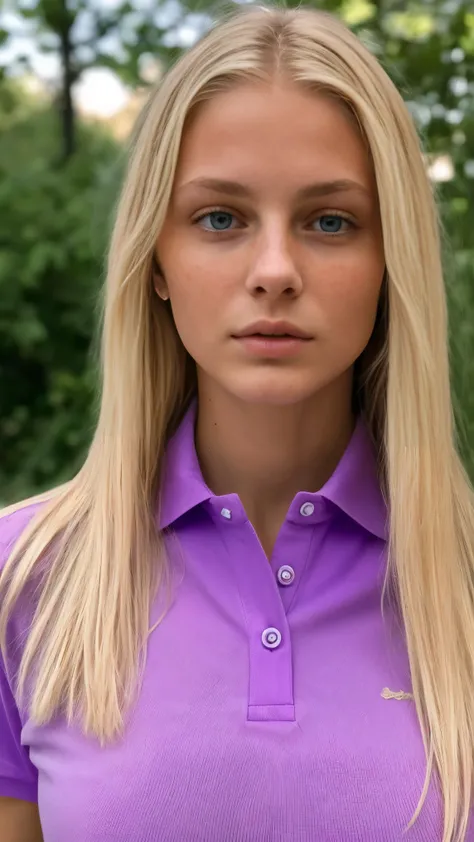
59	179
54	226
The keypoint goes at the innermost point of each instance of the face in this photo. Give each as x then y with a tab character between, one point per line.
273	227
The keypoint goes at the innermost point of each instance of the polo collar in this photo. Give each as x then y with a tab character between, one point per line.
354	486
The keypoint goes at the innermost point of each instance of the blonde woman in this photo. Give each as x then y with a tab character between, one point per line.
249	617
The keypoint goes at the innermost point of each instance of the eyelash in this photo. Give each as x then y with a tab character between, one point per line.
338	214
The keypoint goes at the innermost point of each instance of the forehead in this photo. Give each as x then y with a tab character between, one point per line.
278	129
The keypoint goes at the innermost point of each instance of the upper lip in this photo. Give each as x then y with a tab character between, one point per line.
268	328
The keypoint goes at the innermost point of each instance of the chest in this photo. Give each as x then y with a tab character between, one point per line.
233	740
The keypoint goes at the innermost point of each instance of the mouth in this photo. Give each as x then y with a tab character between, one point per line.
271	346
272	336
274	331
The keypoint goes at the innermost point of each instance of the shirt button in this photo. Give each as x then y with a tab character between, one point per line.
307	509
286	575
226	513
271	638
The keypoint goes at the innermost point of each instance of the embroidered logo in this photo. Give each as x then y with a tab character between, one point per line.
395	694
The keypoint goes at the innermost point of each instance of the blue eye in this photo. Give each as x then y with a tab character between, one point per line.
332	223
218	218
221	220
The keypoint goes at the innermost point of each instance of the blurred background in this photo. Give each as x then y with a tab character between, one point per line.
74	75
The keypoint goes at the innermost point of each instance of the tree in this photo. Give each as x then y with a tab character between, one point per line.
52	244
79	33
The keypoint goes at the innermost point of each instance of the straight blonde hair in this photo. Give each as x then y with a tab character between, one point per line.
94	544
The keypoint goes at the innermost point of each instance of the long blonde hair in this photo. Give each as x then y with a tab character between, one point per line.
106	558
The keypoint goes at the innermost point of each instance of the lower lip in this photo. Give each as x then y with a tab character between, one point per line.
272	346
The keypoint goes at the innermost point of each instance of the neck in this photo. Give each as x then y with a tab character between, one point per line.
266	454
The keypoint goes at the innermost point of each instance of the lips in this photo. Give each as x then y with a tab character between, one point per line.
275	330
271	346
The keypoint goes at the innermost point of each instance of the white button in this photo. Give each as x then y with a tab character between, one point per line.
307	509
271	638
286	575
226	513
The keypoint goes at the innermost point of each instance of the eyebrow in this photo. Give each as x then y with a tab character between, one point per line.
310	191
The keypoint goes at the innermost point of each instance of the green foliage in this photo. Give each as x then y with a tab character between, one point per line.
88	26
15	104
457	209
52	246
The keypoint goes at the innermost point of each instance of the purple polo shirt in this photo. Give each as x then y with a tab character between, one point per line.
263	716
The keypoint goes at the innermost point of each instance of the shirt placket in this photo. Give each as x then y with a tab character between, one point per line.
267	590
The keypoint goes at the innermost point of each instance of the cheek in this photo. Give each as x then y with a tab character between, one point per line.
350	301
198	300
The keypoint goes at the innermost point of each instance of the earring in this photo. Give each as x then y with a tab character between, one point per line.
164	296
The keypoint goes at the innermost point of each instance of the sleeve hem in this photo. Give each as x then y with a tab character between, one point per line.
10	788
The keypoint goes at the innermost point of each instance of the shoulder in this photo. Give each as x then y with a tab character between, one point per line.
18	776
14	520
14	523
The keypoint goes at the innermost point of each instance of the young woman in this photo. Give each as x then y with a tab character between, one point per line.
249	617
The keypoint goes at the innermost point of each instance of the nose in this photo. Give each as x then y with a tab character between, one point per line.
273	272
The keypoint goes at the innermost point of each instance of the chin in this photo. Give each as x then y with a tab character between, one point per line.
273	390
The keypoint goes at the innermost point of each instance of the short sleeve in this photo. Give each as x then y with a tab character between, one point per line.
18	775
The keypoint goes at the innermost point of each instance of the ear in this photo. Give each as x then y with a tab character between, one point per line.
159	282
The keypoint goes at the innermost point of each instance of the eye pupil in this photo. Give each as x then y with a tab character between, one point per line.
219	219
332	223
